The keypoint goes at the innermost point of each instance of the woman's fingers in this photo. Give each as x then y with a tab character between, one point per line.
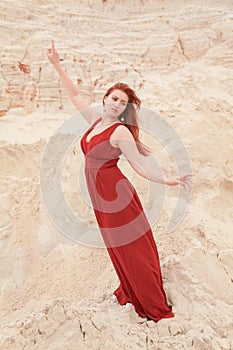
52	49
185	180
53	55
184	184
189	177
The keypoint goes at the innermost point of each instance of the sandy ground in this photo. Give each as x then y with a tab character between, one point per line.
55	293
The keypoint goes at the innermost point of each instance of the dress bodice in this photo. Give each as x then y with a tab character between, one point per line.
99	153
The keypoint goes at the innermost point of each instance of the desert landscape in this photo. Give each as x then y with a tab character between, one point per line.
56	289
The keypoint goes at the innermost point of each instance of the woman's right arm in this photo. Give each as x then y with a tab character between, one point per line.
90	114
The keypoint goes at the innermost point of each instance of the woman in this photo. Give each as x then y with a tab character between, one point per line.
118	210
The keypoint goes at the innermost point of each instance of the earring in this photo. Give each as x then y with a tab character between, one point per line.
122	119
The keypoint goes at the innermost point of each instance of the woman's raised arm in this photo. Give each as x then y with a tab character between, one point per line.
89	113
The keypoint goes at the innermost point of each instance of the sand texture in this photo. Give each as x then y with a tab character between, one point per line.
178	55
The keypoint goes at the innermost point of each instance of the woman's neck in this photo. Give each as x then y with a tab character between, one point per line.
106	120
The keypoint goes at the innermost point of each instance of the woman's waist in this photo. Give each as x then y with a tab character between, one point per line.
100	164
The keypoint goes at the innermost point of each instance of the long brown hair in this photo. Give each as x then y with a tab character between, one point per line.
130	114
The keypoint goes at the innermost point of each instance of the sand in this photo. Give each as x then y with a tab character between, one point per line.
56	293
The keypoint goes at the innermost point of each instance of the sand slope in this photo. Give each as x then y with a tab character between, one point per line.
56	294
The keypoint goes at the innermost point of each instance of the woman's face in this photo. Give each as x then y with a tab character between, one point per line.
116	103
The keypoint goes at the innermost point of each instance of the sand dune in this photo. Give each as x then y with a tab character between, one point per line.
55	293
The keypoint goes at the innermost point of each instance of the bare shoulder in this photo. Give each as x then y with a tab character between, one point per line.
119	135
122	132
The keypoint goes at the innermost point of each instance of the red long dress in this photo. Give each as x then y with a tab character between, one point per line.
124	228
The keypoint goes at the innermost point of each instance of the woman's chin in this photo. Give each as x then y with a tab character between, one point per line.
113	114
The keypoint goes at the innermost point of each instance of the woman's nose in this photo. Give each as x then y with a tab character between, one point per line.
117	103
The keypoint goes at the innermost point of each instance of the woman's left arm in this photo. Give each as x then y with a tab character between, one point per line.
125	141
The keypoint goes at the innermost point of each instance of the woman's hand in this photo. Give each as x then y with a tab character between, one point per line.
53	55
185	181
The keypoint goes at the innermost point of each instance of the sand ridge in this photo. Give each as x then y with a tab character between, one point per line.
56	294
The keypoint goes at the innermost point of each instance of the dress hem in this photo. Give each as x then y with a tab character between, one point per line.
123	300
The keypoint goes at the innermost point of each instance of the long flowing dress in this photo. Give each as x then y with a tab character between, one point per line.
124	228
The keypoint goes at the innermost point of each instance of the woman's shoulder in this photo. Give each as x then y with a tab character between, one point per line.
121	131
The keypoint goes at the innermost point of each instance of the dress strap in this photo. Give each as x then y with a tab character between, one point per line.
96	122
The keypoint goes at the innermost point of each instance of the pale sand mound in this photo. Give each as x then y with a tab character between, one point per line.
56	294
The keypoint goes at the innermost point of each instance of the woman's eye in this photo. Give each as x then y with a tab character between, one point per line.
114	99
